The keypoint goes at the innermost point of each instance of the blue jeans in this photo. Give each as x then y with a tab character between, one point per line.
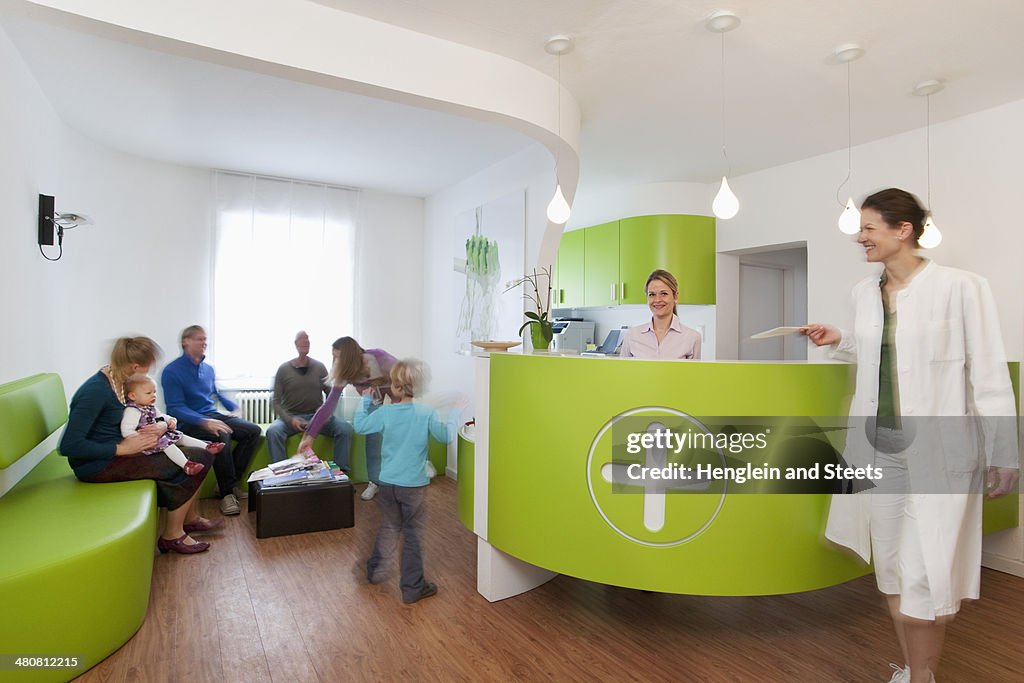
279	432
403	514
231	462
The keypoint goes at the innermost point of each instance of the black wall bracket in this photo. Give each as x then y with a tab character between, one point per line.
46	220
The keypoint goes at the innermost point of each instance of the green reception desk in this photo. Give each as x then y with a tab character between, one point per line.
538	490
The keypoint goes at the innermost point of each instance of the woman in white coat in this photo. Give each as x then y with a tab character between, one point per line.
936	407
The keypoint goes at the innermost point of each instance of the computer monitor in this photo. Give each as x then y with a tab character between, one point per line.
611	343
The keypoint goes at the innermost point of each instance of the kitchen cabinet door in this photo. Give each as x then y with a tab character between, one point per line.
682	245
568	292
601	271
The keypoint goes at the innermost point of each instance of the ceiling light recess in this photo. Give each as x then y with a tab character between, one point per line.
722	21
848	52
558	44
929	87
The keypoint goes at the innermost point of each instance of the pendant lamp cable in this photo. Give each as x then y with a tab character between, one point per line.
928	148
558	152
728	168
849	138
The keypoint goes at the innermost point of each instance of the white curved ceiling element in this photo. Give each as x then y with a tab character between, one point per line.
645	73
304	42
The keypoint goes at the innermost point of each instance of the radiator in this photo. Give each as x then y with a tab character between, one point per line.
257	406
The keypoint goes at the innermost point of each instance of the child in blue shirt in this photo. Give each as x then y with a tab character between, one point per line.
406	425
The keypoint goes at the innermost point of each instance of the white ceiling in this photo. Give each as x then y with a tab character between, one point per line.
646	73
185	111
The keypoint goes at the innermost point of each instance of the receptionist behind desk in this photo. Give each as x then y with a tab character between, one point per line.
663	337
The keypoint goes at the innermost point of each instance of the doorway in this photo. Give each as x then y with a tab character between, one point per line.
772	292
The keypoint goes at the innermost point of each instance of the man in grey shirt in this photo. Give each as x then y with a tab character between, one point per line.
298	392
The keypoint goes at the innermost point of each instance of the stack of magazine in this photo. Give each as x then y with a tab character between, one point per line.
295	471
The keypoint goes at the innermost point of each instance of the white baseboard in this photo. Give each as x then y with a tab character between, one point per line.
1008	565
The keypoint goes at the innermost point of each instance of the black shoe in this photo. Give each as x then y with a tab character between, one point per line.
428	590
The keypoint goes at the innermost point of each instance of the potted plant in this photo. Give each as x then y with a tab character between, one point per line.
538	293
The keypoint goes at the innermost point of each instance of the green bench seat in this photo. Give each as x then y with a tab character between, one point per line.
77	558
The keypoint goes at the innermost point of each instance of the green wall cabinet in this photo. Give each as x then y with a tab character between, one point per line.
568	276
601	269
682	245
608	264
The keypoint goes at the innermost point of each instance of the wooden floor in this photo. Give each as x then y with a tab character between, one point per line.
298	608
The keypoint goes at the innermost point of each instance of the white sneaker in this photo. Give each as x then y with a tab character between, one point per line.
369	492
241	492
899	675
431	470
229	505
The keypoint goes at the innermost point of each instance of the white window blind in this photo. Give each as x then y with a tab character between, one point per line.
283	262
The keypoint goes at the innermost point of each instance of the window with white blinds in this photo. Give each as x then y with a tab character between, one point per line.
283	262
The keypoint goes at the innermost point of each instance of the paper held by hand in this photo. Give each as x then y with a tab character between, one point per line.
776	332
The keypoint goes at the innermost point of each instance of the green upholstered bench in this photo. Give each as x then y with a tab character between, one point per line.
77	558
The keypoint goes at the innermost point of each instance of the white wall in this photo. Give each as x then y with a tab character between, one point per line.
150	247
142	268
532	170
390	274
976	175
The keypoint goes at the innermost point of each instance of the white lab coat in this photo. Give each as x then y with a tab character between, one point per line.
950	362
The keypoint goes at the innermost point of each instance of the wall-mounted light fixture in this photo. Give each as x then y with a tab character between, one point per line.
558	208
51	222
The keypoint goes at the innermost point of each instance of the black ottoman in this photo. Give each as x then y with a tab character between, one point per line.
283	510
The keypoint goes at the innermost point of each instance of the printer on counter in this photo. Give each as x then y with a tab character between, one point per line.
572	334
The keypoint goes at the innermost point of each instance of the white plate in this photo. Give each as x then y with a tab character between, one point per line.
495	345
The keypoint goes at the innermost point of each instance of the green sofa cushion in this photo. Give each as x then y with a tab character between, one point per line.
77	558
30	410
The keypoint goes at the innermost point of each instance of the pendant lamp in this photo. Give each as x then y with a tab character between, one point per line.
932	236
849	219
558	208
726	204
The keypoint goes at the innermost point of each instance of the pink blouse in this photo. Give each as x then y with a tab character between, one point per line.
680	342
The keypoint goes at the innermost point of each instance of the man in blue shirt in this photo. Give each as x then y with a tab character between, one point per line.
190	392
